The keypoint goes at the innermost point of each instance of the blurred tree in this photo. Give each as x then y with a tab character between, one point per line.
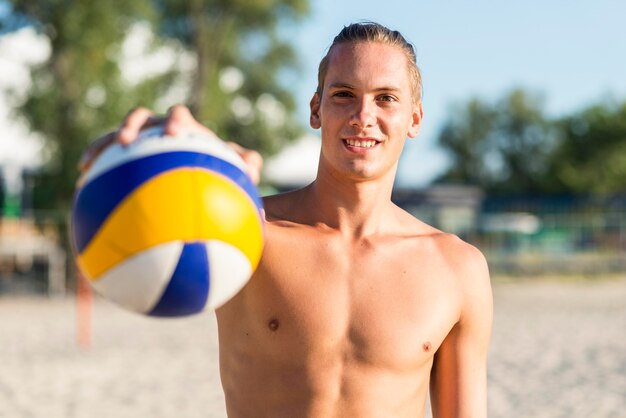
240	59
233	83
591	156
503	146
79	91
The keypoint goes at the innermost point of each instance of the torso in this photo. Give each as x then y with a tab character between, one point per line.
331	327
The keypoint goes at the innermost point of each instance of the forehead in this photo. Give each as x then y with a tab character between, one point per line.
368	64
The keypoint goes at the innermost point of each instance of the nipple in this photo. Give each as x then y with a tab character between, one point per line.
273	324
427	346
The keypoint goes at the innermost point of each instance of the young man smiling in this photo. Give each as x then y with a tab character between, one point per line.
357	307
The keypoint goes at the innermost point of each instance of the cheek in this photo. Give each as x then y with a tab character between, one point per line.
332	125
399	124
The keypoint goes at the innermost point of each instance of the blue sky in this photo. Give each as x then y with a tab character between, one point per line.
572	52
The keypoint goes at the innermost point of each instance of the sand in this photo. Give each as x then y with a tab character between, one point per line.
558	350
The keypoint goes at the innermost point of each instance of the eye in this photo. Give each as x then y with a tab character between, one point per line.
387	98
342	94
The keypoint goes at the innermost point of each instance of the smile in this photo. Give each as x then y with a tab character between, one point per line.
361	143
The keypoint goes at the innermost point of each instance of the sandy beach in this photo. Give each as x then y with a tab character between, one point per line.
558	350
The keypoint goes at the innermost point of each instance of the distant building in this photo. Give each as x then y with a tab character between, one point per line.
453	208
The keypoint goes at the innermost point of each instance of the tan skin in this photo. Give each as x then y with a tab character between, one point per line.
356	308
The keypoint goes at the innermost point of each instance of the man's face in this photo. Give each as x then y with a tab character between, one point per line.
366	110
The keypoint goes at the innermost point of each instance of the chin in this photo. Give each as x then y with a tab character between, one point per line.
358	170
363	173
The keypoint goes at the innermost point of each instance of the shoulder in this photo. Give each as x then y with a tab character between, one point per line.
464	268
465	260
470	271
283	206
460	257
464	264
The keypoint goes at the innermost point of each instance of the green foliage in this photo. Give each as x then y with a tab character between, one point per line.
501	146
238	39
511	146
80	92
592	152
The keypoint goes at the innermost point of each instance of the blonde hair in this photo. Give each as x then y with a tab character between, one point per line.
374	32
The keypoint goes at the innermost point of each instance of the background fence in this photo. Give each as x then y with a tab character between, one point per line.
521	236
531	235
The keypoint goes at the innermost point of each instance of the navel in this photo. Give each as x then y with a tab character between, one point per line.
427	346
273	324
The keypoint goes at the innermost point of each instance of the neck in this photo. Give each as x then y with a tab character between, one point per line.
355	208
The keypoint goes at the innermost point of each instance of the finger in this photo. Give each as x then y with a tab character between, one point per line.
252	159
134	122
180	120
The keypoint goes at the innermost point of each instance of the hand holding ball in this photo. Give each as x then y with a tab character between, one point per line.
168	226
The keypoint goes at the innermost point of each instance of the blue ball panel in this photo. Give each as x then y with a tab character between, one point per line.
188	290
99	197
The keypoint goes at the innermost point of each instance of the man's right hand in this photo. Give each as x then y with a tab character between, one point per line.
178	120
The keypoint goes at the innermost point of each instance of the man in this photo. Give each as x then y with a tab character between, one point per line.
356	307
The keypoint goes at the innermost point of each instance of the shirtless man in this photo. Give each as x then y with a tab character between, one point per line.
356	308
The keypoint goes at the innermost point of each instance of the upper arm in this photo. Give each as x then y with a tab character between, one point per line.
459	374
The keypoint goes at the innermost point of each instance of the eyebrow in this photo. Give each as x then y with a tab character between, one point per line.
351	87
341	86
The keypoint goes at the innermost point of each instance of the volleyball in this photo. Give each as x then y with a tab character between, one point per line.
167	226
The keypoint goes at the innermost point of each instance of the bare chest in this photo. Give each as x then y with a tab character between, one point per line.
384	304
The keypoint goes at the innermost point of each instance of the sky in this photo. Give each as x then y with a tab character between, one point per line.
19	148
573	53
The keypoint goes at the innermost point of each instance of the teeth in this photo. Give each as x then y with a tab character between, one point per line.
362	144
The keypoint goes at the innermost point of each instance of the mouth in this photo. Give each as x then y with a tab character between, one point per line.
361	142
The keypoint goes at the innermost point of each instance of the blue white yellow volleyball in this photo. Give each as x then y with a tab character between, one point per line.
168	226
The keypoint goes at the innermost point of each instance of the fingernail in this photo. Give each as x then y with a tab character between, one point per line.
173	128
124	136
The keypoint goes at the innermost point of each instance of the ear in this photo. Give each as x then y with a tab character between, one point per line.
314	119
416	120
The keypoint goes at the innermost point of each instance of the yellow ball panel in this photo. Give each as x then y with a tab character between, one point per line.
183	204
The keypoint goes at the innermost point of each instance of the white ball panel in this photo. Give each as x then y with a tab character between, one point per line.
230	271
139	282
152	141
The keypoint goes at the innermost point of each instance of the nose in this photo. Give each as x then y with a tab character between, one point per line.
364	114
